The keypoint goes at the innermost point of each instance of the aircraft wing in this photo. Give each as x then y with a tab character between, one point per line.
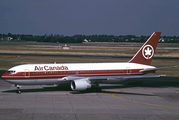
82	83
101	79
122	77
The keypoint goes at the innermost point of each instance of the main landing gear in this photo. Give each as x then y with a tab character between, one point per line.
96	88
18	89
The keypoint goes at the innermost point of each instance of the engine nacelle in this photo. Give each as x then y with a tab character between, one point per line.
78	85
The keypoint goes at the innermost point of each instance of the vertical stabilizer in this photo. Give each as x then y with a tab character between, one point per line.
146	52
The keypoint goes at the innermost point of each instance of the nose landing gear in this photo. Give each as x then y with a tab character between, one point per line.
18	89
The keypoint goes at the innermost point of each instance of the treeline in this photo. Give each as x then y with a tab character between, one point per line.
87	38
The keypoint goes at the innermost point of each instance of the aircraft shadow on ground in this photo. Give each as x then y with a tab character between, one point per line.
154	82
64	87
109	92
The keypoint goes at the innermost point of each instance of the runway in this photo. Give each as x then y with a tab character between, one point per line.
156	99
106	47
83	56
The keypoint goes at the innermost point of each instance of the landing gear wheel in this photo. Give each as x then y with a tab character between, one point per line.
18	89
97	89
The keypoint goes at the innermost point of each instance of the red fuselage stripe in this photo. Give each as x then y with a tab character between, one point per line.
61	74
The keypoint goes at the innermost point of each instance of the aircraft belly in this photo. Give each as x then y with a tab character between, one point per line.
35	81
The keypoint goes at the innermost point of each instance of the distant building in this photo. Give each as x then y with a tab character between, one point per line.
161	40
18	38
65	47
7	39
85	40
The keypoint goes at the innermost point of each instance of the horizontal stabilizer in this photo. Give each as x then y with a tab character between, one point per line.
154	69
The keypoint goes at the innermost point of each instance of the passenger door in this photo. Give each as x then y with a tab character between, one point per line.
27	73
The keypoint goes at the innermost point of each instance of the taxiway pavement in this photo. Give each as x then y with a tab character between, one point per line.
83	56
106	47
151	99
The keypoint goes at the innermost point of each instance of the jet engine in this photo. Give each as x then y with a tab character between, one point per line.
82	84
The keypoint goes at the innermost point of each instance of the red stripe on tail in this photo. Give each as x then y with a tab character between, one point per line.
146	52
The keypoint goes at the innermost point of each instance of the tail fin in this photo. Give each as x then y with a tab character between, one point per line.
146	52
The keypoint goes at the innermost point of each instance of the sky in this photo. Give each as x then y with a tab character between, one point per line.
89	17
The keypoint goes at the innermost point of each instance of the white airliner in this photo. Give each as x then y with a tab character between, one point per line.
86	75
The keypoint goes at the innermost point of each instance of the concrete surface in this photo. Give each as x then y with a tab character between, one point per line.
153	99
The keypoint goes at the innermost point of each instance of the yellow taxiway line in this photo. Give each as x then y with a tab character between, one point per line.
150	104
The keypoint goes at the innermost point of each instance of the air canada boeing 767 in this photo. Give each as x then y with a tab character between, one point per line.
86	75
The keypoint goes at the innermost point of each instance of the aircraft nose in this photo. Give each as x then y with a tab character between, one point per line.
3	76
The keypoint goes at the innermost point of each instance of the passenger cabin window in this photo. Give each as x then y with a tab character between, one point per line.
11	71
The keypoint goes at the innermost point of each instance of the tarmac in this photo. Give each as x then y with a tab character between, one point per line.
106	47
83	56
150	99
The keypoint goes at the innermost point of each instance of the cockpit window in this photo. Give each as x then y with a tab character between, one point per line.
11	71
